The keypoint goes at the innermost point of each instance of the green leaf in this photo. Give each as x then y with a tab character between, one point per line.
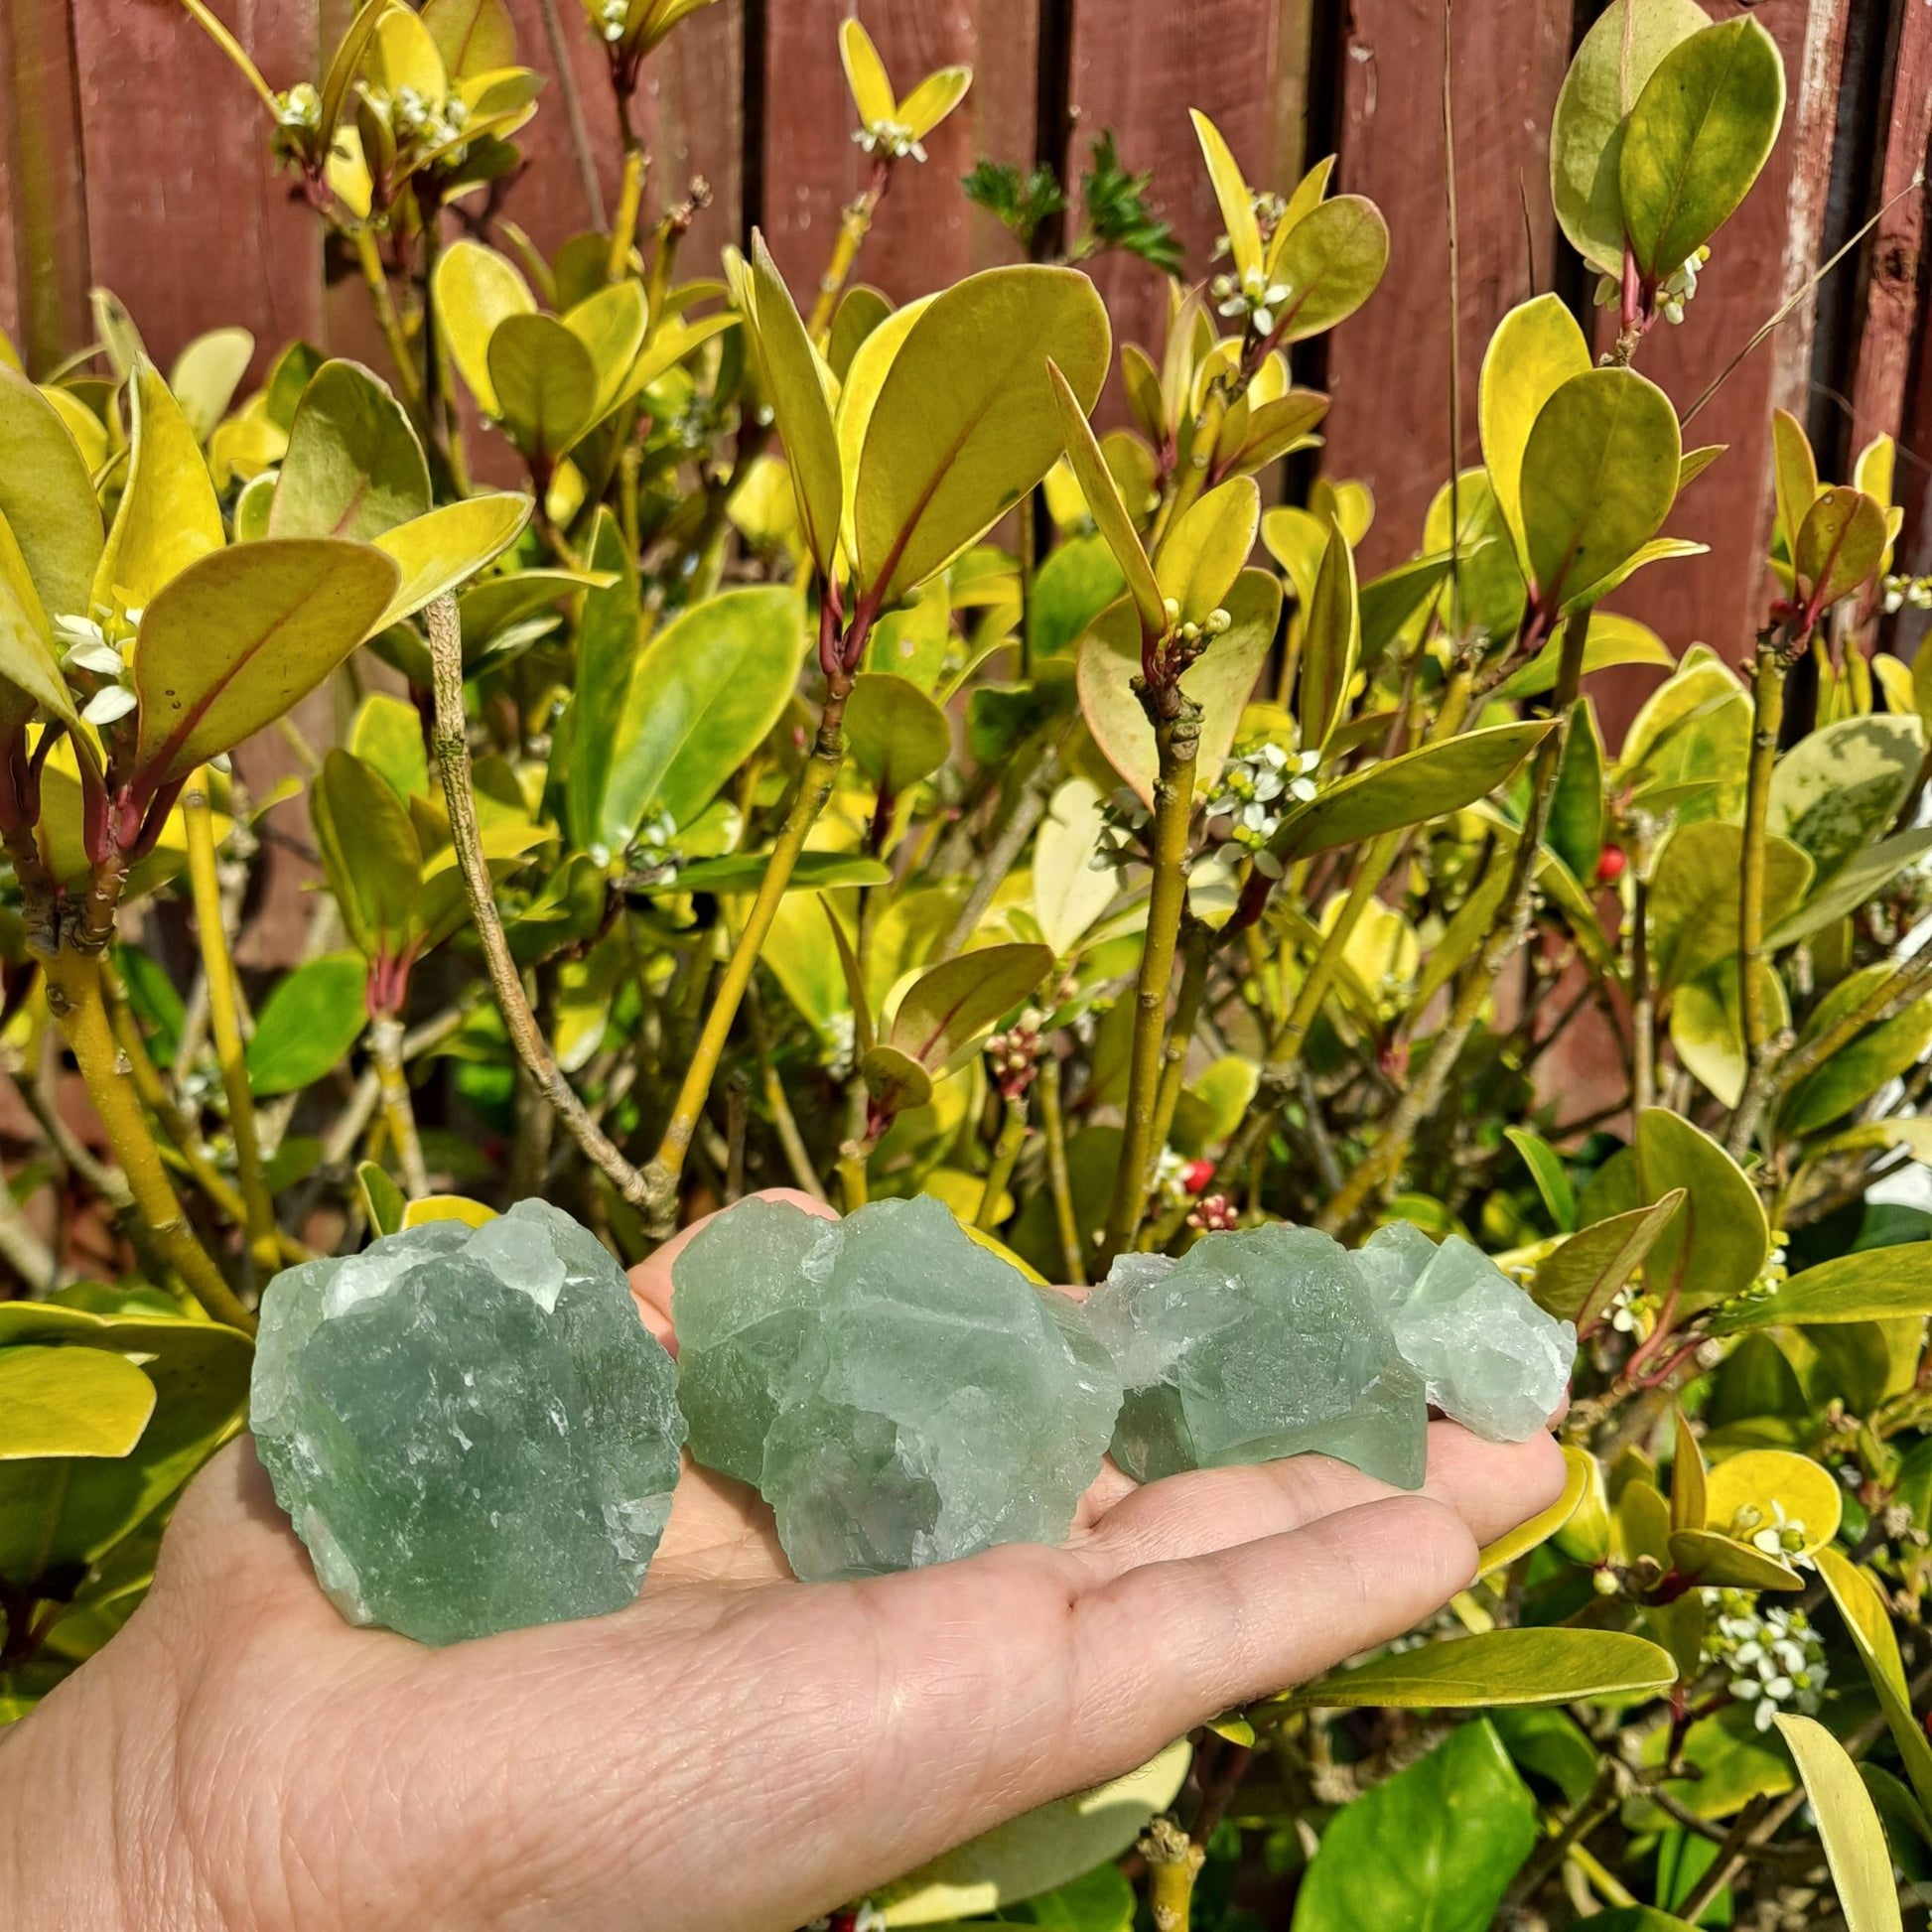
475	290
1707	1026
1695	892
354	466
1204	551
1547	1171
1586	131
713	682
1431	1850
951	1007
1873	1285
895	733
1040	1851
1536	349
56	1512
1388	602
207	374
1837	789
611	324
240	638
1840	545
1700	133
169	517
26	660
384	1201
1577	811
1331	644
388	734
1069	892
964	423
1079	579
70	1402
1599	474
1718	1246
1869	1623
1580	1279
742	872
797	378
371	853
1858	1069
1857	881
1613	640
308	1023
1847	1822
1796	473
437	552
473	37
895	1081
1410	789
1718	1562
1220	681
48	498
545	383
1331	261
608	631
1526	1665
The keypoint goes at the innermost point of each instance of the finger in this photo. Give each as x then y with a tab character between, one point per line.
651	1280
1168	1645
1492	1487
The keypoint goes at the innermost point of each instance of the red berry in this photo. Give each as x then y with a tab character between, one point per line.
1196	1175
1609	868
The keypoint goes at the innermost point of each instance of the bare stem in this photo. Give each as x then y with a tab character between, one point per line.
225	1024
1768	693
74	997
1178	744
1173	1862
384	1041
1006	1156
389	318
453	758
1060	1181
853	229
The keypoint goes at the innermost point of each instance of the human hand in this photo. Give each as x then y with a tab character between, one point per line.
736	1751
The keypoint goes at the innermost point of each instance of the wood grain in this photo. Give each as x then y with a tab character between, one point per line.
696	80
1388	368
189	221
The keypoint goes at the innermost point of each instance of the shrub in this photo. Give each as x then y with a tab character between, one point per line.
836	764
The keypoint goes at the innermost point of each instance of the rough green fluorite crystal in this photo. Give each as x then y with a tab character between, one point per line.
1493	1360
469	1428
898	1394
1254	1345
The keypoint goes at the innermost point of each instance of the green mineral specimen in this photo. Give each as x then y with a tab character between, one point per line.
469	1428
898	1394
1254	1345
1493	1360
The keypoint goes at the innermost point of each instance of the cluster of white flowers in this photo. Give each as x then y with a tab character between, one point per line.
1255	791
90	654
1901	591
1672	296
1252	298
1170	1172
1192	637
1783	1536
841	1044
300	108
1776	1658
612	16
1122	821
415	119
890	138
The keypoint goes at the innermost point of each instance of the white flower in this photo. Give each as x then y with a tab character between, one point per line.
111	701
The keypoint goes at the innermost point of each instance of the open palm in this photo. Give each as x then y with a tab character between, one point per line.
736	1751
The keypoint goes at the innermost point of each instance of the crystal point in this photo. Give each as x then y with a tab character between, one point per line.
471	1429
900	1395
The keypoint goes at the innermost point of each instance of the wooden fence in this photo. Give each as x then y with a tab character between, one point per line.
132	156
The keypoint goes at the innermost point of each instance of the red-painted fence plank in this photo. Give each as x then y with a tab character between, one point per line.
1241	62
697	85
1764	253
549	200
1389	366
924	233
41	160
188	222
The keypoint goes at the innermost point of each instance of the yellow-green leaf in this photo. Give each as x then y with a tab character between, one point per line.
371	854
473	37
896	734
1331	644
1720	1563
1579	1280
70	1402
1716	1247
932	100
865	74
27	661
1206	548
169	515
1847	1822
354	468
1841	543
950	1008
475	289
48	497
1505	1667
1536	349
546	385
1796	473
1332	262
437	552
1746	1492
964	423
610	326
1868	1622
1231	195
800	385
1579	1472
240	636
1109	513
1875	1284
207	374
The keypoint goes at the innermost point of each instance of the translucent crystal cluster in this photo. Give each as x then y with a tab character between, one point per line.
898	1394
469	1428
1253	1346
1493	1360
